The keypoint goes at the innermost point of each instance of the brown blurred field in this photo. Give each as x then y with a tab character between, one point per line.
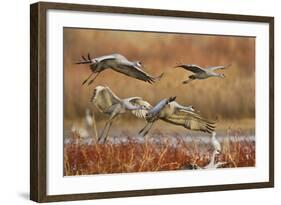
231	98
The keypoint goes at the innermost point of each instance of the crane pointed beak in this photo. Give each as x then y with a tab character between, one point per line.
192	108
173	98
218	152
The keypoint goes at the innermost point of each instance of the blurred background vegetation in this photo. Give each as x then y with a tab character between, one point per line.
231	98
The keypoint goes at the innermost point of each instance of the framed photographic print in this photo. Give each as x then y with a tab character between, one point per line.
134	102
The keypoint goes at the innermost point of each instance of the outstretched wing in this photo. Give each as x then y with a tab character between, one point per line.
213	68
188	119
191	67
134	71
138	101
109	57
179	107
104	98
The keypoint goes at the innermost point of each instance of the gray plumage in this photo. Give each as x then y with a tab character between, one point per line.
215	143
107	102
201	73
118	63
216	151
170	111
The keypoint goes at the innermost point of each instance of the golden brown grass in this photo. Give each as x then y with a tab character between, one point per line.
165	153
230	98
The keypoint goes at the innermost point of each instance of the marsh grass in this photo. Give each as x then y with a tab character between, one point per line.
162	154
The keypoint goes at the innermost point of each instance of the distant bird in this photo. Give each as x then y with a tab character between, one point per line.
79	129
118	63
89	117
84	127
201	73
212	164
216	150
107	102
216	144
170	111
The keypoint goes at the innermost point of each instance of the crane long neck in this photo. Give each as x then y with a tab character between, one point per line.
215	74
213	158
129	106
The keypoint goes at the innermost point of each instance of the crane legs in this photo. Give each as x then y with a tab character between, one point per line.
91	81
187	81
86	80
106	128
105	131
146	129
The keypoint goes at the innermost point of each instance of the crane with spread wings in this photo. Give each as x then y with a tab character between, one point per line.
201	73
107	102
118	63
172	112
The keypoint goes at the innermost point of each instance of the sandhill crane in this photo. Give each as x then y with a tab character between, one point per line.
118	63
80	130
84	127
107	102
89	117
170	111
216	144
201	73
216	150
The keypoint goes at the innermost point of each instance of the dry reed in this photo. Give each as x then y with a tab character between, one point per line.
160	155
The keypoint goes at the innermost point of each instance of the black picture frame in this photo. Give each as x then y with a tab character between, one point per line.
38	100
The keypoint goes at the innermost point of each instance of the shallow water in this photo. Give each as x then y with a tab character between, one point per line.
159	138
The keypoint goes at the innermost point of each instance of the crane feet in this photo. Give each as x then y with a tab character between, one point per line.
187	81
